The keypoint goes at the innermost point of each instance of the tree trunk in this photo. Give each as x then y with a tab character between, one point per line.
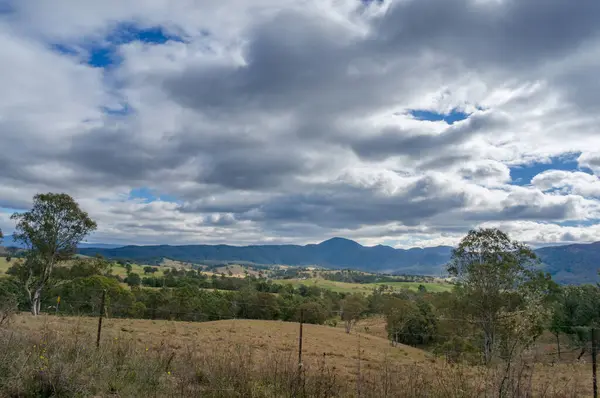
488	344
36	301
558	345
348	326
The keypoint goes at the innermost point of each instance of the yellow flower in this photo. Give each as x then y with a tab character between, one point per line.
169	373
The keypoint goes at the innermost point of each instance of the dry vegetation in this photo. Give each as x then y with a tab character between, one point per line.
55	356
265	337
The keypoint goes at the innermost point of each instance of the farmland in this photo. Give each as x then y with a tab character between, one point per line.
116	268
57	356
367	288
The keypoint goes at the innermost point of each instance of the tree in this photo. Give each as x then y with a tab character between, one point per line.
496	281
50	231
133	279
1	236
410	322
352	308
575	311
149	270
312	312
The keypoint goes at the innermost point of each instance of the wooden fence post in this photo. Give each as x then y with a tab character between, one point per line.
100	318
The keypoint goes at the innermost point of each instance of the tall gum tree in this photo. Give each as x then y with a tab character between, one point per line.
50	231
498	283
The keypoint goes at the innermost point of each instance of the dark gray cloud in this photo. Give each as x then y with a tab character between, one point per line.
501	34
338	205
292	124
397	142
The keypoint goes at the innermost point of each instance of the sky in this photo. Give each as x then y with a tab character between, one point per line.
404	122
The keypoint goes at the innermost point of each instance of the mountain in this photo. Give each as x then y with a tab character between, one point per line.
332	253
569	264
578	263
9	241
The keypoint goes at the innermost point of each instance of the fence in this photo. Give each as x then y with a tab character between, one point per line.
362	356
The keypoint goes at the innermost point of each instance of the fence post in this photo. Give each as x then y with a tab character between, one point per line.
300	339
358	374
100	318
594	351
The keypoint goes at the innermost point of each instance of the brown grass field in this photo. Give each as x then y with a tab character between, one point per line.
273	346
263	337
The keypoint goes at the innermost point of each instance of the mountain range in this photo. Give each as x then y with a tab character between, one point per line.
572	264
9	241
575	264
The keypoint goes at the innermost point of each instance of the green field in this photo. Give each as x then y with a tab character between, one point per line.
4	265
343	287
116	269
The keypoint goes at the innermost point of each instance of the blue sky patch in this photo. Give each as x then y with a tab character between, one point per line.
148	195
578	223
522	175
453	116
103	53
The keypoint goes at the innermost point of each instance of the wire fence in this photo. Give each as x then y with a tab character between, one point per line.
362	350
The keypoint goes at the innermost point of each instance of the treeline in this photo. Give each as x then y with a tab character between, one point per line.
351	276
180	295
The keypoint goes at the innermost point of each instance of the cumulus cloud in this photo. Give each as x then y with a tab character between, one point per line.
279	121
577	182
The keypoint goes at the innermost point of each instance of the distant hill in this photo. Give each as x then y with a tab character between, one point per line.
333	253
569	264
9	241
576	264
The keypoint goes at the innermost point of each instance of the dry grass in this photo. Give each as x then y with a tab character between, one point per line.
372	325
5	265
265	337
244	358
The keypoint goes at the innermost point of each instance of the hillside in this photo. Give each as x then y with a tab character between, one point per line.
575	264
264	338
567	264
333	253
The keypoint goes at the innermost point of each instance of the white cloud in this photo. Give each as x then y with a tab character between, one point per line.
285	121
567	182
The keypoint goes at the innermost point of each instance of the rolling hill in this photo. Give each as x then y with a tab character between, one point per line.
333	253
575	264
568	264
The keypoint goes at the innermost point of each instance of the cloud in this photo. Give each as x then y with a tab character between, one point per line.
279	121
591	160
577	183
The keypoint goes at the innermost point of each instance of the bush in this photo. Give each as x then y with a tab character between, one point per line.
133	279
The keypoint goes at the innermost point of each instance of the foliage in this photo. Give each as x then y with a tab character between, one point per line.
497	280
133	279
150	270
575	310
352	308
50	231
410	322
9	300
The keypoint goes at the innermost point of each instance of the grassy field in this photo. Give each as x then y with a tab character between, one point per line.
116	269
343	287
4	265
263	337
56	356
138	269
